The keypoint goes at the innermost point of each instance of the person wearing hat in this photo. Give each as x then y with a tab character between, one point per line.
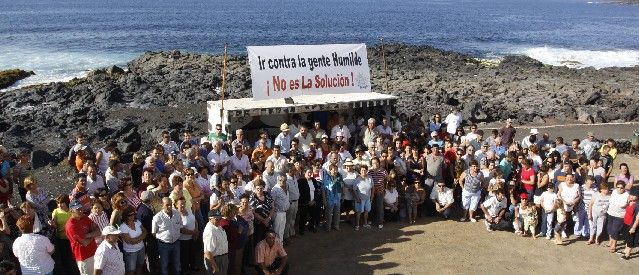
108	258
284	139
528	211
166	226
81	232
507	133
434	139
216	245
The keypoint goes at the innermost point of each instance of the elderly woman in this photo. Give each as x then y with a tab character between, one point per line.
32	250
263	210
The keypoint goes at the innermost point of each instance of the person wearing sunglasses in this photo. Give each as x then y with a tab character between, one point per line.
442	196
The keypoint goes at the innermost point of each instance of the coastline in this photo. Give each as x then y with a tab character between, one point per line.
171	88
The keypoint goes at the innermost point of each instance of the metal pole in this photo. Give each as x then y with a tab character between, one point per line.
223	85
385	66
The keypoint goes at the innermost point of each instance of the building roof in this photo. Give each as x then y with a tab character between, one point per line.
303	103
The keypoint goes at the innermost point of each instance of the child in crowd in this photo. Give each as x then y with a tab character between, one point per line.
528	211
547	203
597	209
582	227
412	201
99	217
561	220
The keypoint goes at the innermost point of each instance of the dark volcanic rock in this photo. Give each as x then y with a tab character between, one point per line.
8	77
168	91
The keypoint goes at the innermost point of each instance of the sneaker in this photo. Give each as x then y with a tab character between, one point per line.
563	235
548	237
473	220
540	235
357	228
367	226
488	227
462	219
380	226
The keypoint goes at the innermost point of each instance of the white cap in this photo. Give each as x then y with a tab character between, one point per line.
110	230
534	131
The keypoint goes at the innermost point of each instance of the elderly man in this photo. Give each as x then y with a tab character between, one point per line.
270	255
283	140
269	175
262	152
216	245
370	133
81	232
281	200
384	129
166	227
144	214
304	138
108	258
240	140
293	195
340	128
589	145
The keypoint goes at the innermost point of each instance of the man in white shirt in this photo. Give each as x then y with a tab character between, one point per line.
385	130
494	209
525	143
217	156
341	127
239	161
453	121
166	226
216	246
442	196
277	158
283	139
108	258
304	138
269	175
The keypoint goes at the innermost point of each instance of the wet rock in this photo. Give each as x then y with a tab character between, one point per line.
9	77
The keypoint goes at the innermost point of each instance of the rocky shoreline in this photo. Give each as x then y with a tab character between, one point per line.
170	89
9	77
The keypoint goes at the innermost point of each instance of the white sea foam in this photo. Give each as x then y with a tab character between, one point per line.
56	66
583	58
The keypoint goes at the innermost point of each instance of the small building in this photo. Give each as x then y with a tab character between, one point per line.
249	114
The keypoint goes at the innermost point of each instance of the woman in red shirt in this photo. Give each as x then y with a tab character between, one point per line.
527	177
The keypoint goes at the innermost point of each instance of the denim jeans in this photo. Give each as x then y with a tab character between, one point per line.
169	253
546	223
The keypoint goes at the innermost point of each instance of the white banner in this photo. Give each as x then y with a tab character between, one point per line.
292	70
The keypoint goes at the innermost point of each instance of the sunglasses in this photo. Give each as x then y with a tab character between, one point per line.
219	129
190	175
166	136
440	185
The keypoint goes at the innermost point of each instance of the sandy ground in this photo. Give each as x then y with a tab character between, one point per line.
433	246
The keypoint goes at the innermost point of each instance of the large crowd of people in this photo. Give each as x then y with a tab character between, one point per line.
225	204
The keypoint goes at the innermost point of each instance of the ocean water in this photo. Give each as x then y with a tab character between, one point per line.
62	39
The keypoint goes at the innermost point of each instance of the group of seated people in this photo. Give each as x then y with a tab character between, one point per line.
226	205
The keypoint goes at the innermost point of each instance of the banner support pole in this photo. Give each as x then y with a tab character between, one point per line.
223	85
385	66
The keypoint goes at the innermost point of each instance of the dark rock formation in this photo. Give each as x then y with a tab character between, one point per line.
168	90
8	77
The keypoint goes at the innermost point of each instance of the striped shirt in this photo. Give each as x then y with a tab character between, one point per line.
586	195
379	178
101	221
